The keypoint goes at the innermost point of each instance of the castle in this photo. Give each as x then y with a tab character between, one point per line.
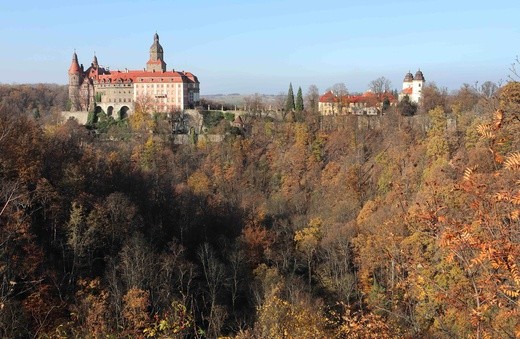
117	92
370	103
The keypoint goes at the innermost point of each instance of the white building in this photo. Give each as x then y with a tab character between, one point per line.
412	86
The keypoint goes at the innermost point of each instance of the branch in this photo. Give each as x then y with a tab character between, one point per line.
10	199
514	76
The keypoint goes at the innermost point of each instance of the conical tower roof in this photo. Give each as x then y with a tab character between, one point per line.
408	77
74	66
419	75
156	46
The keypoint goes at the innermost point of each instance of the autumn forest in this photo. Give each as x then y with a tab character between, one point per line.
389	226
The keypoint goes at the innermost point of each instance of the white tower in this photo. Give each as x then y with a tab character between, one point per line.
408	81
417	85
412	86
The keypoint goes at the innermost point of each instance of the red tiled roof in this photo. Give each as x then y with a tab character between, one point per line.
238	120
356	98
365	97
388	96
74	66
191	76
328	97
132	76
408	91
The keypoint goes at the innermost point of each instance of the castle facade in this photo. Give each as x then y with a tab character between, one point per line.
118	92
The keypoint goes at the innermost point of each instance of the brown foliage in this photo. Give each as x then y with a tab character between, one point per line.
135	311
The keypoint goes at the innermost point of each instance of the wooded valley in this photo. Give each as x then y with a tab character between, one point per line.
406	228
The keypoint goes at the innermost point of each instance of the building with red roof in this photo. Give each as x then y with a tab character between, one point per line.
118	92
368	103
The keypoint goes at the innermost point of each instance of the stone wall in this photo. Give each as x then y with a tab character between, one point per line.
80	116
185	139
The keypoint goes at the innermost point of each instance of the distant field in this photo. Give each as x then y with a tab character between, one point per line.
237	99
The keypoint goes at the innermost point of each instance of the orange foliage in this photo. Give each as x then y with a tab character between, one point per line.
135	311
257	240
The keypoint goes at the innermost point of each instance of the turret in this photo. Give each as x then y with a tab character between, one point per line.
74	66
407	81
418	83
419	75
74	83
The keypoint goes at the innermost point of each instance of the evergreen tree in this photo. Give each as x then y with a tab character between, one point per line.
299	100
407	107
386	104
289	105
92	116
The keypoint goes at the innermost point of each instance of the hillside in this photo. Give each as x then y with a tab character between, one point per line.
408	227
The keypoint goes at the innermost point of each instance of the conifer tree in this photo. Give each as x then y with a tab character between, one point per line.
299	100
289	105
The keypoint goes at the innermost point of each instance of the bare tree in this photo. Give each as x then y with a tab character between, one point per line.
279	104
488	89
214	275
515	73
312	99
433	96
380	85
340	91
136	262
237	258
255	104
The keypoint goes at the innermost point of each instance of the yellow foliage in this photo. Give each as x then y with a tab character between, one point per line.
308	238
485	130
173	324
278	318
366	212
513	161
468	174
301	134
140	120
365	325
199	182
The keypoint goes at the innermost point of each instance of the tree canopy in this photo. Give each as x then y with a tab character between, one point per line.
404	227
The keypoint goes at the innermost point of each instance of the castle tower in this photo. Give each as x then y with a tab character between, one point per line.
408	80
74	83
95	62
156	62
417	84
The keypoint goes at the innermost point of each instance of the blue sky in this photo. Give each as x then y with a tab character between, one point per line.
261	46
